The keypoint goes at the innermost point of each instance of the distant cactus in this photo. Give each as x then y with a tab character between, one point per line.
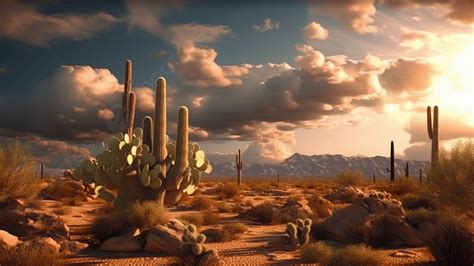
407	170
238	165
140	164
299	233
42	171
433	133
421	175
392	162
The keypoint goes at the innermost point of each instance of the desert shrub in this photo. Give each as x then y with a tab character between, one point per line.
192	218
228	191
17	172
348	177
63	190
235	228
219	235
29	255
379	232
73	201
145	214
106	226
63	210
453	177
412	202
316	252
202	203
296	197
451	245
224	207
356	255
423	215
264	213
210	217
403	185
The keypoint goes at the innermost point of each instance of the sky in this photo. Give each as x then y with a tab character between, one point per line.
271	78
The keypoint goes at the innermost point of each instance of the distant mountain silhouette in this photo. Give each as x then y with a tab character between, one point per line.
326	165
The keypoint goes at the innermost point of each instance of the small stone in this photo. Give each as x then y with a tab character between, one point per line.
7	240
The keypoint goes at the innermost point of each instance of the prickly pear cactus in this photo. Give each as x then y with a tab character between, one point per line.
299	233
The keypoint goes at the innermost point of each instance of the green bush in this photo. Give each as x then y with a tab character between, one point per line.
350	178
28	255
356	255
450	244
17	172
316	252
453	177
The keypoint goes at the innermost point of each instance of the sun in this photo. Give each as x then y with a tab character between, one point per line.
453	90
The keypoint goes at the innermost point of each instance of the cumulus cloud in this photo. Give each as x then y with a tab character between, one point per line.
267	25
315	31
23	22
105	114
357	14
417	39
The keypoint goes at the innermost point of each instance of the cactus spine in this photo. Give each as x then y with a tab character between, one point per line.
392	162
238	165
407	170
433	127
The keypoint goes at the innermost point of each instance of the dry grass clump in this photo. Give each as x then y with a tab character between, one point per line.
228	191
17	172
264	213
200	219
28	255
356	255
316	252
412	202
224	207
450	244
145	214
423	215
453	177
235	228
202	203
63	210
350	178
403	185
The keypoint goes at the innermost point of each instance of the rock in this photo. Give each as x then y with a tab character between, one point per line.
296	209
7	240
321	206
72	247
176	225
163	239
346	194
21	221
404	254
129	242
43	243
379	221
65	188
213	235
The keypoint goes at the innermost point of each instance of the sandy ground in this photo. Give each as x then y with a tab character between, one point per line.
256	247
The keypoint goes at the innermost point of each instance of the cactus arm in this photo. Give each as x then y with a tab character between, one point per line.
173	180
148	132
131	114
159	134
126	91
430	128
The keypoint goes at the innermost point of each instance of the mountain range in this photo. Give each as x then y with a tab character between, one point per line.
299	165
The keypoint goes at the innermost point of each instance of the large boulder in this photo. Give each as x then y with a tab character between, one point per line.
26	222
129	242
295	209
379	220
7	240
65	188
163	239
43	243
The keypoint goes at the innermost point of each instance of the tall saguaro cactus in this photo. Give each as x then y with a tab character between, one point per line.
433	127
392	162
238	166
407	170
140	164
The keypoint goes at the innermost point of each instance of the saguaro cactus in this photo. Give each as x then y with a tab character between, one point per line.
421	175
407	170
433	127
238	165
140	164
392	162
42	170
